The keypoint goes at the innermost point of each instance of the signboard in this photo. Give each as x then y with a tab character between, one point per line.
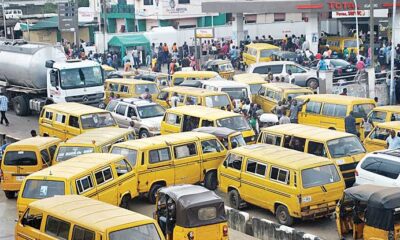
67	17
381	13
204	33
85	14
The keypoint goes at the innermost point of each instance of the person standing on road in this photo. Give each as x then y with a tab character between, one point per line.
393	141
294	110
350	124
3	108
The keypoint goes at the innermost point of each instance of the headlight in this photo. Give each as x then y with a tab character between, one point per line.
253	138
155	128
306	199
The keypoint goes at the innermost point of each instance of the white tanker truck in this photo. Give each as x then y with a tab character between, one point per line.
32	75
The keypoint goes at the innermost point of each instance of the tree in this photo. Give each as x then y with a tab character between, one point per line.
83	3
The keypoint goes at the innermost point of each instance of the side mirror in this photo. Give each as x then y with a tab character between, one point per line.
135	118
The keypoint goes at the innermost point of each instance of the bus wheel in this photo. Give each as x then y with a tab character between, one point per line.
211	180
283	217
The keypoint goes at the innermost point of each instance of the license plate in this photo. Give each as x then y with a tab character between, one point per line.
20	178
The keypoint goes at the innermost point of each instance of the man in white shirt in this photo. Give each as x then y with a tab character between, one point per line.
393	141
173	102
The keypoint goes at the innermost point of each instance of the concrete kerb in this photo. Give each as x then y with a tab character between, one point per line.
263	228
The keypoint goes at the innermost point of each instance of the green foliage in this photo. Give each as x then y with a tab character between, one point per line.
49	8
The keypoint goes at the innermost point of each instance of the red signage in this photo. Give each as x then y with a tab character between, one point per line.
342	6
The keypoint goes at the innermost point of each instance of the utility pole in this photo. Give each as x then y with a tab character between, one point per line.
392	50
371	32
104	10
76	21
4	20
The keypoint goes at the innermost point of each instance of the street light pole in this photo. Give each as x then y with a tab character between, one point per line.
358	40
4	20
392	49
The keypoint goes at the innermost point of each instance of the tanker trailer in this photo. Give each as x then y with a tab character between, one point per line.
32	75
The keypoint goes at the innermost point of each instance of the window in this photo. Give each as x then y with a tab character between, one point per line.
380	134
131	155
121	109
173	119
32	218
270	93
272	139
279	17
192	100
113	87
20	158
160	155
319	176
103	176
68	152
60	118
371	164
57	228
52	150
260	70
185	151
334	110
163	95
395	117
124	88
211	146
313	107
256	168
316	148
106	148
49	115
131	112
362	110
39	189
84	184
111	106
73	121
345	147
145	232
234	161
207	123
294	69
280	175
389	169
80	233
122	167
45	157
184	1
207	213
377	116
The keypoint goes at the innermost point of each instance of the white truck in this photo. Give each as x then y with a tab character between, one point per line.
32	75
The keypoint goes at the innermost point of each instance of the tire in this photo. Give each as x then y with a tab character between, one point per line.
234	199
332	128
211	180
153	192
144	133
283	217
10	194
312	83
21	105
125	202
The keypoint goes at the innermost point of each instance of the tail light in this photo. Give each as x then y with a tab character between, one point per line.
225	231
356	173
191	235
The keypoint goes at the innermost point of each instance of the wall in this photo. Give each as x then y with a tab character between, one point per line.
46	36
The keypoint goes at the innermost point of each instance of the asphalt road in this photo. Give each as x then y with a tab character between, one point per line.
20	127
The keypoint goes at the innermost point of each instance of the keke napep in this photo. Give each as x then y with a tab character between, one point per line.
370	212
191	212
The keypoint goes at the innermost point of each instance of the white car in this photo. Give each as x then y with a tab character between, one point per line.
146	115
380	168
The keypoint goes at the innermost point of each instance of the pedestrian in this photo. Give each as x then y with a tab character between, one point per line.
172	66
284	119
346	53
350	124
131	125
291	78
3	108
33	133
360	64
135	55
393	140
322	65
294	110
344	92
127	66
173	102
278	109
185	49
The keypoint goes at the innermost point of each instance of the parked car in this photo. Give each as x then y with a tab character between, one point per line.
304	77
146	115
379	168
343	70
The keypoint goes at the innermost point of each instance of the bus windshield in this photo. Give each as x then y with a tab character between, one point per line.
39	189
237	123
66	153
81	77
143	232
319	176
97	120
